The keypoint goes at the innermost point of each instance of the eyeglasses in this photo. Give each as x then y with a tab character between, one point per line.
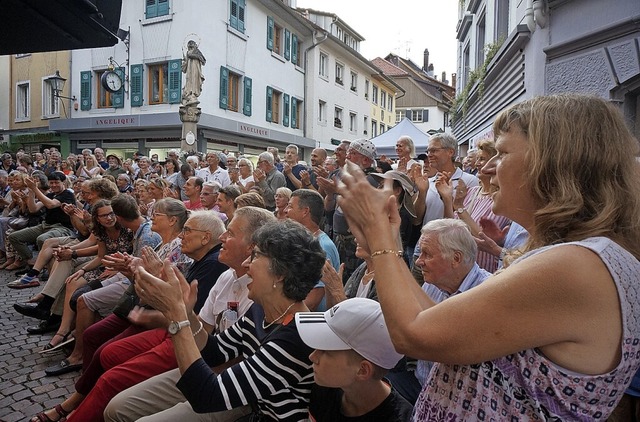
187	230
434	150
153	214
262	161
255	252
108	215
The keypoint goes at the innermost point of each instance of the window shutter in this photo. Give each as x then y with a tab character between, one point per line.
294	113
407	114
163	7
136	85
117	98
233	15
175	81
152	9
294	49
85	90
269	104
224	87
247	96
425	115
242	6
285	120
270	29
287	44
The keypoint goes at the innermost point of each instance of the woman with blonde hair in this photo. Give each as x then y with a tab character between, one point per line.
555	335
282	197
90	168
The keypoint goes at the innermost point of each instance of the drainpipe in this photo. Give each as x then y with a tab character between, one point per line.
539	13
307	76
529	18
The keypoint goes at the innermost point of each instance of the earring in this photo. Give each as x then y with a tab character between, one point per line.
274	284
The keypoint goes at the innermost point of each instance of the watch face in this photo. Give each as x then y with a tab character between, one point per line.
111	81
173	327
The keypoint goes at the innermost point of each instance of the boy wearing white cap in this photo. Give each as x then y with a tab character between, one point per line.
353	353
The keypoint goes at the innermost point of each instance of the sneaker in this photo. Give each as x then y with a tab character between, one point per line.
23	282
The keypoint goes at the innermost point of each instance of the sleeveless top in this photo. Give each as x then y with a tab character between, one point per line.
526	385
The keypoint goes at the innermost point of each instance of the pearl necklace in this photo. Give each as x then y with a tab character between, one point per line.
277	319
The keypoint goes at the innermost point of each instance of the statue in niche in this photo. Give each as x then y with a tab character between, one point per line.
192	62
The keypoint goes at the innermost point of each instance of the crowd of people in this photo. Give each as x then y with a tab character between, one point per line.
354	287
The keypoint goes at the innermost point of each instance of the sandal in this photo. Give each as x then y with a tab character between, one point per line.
42	417
7	263
18	264
53	348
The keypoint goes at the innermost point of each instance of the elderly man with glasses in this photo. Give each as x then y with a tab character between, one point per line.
268	179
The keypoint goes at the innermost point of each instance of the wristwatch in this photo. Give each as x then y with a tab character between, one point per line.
460	210
174	326
74	254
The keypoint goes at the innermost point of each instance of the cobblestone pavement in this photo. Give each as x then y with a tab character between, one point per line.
24	388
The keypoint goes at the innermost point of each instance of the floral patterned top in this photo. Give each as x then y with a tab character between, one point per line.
123	243
526	385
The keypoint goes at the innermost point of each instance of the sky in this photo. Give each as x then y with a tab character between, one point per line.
405	30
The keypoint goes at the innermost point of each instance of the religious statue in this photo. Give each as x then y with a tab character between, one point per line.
192	62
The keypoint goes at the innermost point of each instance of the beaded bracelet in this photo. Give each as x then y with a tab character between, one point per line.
386	251
199	329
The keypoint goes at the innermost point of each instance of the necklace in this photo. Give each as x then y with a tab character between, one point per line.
277	319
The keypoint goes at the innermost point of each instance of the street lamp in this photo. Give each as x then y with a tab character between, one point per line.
57	83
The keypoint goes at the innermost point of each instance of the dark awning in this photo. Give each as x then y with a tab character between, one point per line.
31	26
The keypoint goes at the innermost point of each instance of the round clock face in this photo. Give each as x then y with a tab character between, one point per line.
111	81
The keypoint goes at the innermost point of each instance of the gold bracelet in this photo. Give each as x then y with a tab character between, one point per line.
199	329
387	251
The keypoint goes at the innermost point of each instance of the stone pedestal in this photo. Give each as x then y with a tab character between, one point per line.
189	116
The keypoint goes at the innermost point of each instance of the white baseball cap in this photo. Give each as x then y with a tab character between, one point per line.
356	324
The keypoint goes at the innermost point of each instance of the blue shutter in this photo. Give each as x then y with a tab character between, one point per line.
85	90
294	113
287	44
247	96
269	104
175	81
425	115
233	14
270	29
136	85
152	9
285	119
242	7
294	49
224	87
117	98
163	7
407	114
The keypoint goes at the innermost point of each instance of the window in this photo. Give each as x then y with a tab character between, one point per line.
353	122
324	60
233	91
365	124
23	104
322	111
390	103
339	73
50	103
383	99
502	19
382	128
165	82
236	14
374	95
337	117
446	122
274	99
466	65
382	115
480	35
418	116
354	81
366	89
104	97
296	48
155	8
296	106
399	116
277	41
374	128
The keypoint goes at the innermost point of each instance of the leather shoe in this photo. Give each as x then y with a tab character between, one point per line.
46	326
62	368
31	310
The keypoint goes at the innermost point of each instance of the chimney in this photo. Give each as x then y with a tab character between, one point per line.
444	77
453	79
430	70
425	63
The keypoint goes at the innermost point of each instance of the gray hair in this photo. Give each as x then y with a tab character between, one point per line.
291	146
206	220
284	191
447	140
193	158
453	235
410	144
254	218
247	162
266	156
313	200
213	184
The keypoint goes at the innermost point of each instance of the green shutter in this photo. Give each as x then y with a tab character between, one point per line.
242	6
270	29
247	96
136	85
152	9
85	90
285	119
269	104
175	81
294	49
117	98
294	113
287	44
224	87
233	14
163	7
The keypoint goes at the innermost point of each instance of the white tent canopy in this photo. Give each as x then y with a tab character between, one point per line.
386	142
